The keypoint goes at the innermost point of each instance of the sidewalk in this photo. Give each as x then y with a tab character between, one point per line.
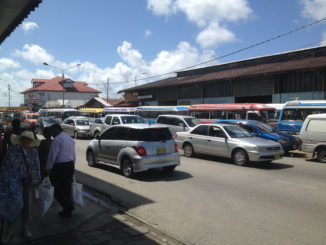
98	222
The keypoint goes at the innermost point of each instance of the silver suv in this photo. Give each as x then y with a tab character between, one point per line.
134	148
177	123
76	126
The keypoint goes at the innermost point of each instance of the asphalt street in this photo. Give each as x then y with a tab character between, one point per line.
208	200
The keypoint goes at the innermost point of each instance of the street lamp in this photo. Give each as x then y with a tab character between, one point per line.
63	78
143	73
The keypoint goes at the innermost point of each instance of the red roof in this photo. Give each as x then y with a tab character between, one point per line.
55	86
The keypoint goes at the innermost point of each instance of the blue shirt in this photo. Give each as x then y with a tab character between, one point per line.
62	150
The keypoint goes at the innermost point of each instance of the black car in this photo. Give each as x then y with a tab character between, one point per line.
43	122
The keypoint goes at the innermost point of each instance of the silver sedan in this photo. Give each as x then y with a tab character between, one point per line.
229	141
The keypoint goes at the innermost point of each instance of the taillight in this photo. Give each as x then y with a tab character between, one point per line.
176	135
175	147
140	150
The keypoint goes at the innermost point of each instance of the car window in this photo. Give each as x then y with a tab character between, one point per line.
115	121
235	131
108	120
155	134
192	122
264	127
317	125
98	121
82	122
248	127
178	121
162	120
216	132
122	133
202	130
64	121
131	119
110	134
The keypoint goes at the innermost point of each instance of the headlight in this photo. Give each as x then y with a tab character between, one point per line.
259	148
281	141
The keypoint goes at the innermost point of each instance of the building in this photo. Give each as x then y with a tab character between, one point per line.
56	92
98	102
270	79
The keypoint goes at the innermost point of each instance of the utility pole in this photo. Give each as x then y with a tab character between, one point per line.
106	86
9	94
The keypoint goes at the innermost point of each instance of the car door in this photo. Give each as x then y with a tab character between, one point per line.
198	138
105	142
65	126
116	144
71	126
115	121
217	142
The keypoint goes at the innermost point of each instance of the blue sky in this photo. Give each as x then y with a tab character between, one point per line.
124	39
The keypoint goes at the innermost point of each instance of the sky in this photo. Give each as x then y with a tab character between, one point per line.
121	41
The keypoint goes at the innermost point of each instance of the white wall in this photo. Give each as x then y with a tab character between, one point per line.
284	97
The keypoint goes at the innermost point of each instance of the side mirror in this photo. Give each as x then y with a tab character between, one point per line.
182	125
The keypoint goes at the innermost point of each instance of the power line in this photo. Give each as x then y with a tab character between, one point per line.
235	52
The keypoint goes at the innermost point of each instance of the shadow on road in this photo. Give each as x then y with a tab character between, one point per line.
152	175
259	165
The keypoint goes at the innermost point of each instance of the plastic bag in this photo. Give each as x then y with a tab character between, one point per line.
77	192
46	192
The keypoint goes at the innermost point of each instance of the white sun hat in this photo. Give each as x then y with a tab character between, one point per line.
15	139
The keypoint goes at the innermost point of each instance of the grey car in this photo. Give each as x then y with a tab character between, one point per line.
230	141
76	126
134	148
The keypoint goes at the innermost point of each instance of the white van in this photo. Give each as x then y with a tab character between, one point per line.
313	136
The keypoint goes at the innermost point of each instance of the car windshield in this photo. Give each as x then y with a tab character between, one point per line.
192	122
33	116
155	134
237	132
131	119
50	120
82	122
264	127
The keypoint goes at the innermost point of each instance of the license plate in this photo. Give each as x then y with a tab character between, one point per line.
277	156
161	150
294	146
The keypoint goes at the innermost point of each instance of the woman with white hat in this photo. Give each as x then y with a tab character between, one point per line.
19	174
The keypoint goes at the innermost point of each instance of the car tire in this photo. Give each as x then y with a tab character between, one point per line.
188	150
321	155
91	159
126	167
240	157
75	135
169	169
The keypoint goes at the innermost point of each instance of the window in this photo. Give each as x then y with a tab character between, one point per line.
64	121
162	120
248	127
98	120
82	122
201	130
108	120
317	125
122	133
237	115
218	115
192	122
236	131
200	114
216	132
155	134
110	134
132	119
115	121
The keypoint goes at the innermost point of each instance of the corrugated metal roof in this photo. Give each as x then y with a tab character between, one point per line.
273	68
12	13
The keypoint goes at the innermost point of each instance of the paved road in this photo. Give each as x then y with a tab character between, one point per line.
209	200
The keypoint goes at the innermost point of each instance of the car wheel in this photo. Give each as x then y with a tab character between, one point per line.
188	150
240	157
321	155
75	135
127	168
91	160
169	169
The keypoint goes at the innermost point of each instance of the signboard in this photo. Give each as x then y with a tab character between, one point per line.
145	96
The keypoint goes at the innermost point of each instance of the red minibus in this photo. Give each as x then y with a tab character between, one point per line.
210	113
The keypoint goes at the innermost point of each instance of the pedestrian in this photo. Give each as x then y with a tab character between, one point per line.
44	149
16	130
61	166
19	175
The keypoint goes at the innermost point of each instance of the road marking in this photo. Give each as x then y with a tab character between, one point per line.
289	183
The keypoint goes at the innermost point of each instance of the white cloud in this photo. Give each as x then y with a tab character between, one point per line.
6	64
131	56
314	9
323	41
214	35
27	26
208	15
34	53
160	7
147	33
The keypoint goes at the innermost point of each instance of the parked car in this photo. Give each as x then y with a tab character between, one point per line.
177	123
76	126
265	131
31	117
313	136
113	119
43	122
229	141
134	148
